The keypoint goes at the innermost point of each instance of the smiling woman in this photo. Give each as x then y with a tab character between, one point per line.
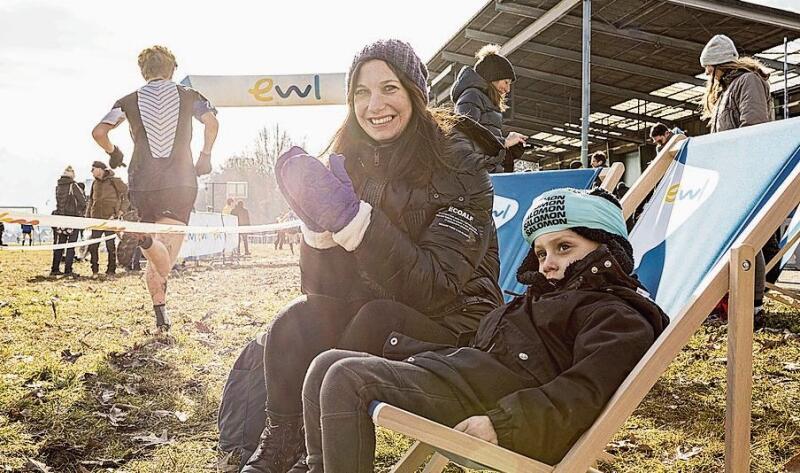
398	237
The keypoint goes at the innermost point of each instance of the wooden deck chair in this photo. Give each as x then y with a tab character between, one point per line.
514	193
734	189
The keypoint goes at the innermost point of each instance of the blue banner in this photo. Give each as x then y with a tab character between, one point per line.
513	194
712	190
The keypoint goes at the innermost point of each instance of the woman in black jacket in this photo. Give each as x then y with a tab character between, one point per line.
480	92
541	368
398	236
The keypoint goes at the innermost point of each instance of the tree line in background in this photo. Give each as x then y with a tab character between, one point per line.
255	165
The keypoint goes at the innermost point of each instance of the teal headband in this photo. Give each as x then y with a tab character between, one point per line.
562	209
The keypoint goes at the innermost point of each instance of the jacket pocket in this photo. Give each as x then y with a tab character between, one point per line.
399	347
528	354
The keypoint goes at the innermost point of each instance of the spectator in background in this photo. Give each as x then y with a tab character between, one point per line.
620	190
228	209
2	229
599	160
108	199
576	164
288	235
244	219
480	93
80	252
737	95
27	234
70	202
660	135
737	92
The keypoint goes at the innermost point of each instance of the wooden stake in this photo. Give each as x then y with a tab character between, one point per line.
740	360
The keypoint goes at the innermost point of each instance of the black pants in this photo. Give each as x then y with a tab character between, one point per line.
64	236
338	389
313	324
136	260
243	239
772	248
282	238
110	247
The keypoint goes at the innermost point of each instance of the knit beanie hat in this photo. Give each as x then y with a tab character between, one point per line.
397	53
492	66
99	164
69	172
719	50
595	215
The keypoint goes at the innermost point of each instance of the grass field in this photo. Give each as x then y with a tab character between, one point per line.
86	386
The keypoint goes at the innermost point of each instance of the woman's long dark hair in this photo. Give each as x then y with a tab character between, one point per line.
421	147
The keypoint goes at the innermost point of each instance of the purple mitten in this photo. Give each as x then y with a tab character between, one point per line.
319	198
336	164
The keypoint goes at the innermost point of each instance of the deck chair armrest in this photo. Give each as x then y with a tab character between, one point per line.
611	176
651	176
451	441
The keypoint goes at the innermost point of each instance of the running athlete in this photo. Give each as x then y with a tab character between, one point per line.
162	174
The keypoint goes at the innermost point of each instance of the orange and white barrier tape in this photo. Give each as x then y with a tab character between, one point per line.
83	223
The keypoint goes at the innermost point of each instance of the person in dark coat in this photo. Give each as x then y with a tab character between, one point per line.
479	92
243	216
541	368
398	236
71	202
738	95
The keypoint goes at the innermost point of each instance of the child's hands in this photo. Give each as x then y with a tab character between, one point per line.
478	426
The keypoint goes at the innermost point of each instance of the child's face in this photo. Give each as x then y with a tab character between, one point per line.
555	251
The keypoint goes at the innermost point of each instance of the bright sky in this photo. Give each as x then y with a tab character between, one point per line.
63	64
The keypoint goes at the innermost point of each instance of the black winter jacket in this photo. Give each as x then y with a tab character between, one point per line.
70	199
543	366
432	246
471	98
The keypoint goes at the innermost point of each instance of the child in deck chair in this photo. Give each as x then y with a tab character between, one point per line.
541	368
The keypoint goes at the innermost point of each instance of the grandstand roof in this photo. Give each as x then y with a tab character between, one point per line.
645	64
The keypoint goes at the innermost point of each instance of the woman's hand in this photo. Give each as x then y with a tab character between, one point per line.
478	426
322	198
515	138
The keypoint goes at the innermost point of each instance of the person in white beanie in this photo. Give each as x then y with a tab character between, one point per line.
737	91
737	95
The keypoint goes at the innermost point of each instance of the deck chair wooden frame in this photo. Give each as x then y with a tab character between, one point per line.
734	274
610	176
784	296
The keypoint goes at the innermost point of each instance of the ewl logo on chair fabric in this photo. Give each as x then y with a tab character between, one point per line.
504	210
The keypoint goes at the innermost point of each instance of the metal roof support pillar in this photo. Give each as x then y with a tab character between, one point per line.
586	81
785	78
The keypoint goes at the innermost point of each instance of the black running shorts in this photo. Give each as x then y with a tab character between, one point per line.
175	203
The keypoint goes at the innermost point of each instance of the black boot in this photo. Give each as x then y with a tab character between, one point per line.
162	319
281	444
300	465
